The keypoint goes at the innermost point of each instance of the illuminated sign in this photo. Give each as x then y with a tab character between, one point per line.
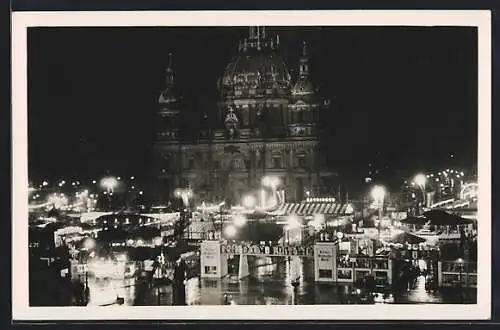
259	250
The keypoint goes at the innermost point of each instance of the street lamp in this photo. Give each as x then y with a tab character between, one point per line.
421	180
378	194
272	182
109	183
460	270
460	264
293	222
184	194
248	201
239	220
230	231
89	243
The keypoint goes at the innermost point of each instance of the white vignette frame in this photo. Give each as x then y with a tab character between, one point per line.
21	311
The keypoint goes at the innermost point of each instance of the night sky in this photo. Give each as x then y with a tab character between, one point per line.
404	98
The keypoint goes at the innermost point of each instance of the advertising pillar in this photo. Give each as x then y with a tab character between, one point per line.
213	263
325	263
243	269
295	268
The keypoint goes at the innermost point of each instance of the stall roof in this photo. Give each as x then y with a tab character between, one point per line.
412	220
306	208
443	218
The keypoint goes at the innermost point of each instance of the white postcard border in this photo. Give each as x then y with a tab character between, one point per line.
22	20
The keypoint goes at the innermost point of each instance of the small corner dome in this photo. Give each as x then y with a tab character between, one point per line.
303	88
169	95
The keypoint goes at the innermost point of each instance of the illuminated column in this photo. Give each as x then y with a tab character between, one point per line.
295	267
243	269
222	265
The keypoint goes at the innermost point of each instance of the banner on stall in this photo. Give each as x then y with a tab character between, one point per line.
266	250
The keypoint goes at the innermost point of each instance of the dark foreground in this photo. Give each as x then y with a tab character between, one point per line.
266	286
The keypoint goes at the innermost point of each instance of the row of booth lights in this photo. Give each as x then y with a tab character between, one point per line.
320	199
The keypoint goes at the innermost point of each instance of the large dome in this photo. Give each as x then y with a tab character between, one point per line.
257	69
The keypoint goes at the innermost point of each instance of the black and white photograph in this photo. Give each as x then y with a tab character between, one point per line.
274	161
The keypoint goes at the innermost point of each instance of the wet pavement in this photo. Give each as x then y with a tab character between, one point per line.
104	292
419	295
267	285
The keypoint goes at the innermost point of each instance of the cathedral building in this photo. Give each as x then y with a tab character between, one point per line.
267	125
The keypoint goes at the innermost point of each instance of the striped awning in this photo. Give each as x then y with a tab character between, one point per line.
305	208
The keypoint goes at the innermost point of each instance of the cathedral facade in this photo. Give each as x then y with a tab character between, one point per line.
268	126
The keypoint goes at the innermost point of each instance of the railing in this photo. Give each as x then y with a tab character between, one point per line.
455	273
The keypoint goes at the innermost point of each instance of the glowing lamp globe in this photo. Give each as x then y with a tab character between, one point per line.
230	231
420	179
109	183
248	201
293	222
378	193
89	243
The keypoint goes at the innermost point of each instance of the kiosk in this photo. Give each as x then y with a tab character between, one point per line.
213	263
325	262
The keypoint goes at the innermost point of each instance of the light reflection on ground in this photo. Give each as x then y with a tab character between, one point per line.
105	291
269	284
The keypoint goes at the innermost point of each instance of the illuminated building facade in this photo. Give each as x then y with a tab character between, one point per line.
267	124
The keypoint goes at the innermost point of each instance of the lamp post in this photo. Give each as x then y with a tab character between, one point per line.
248	202
460	270
230	231
185	195
293	222
378	194
89	244
271	182
421	180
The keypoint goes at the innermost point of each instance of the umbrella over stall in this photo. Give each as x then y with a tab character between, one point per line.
411	220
